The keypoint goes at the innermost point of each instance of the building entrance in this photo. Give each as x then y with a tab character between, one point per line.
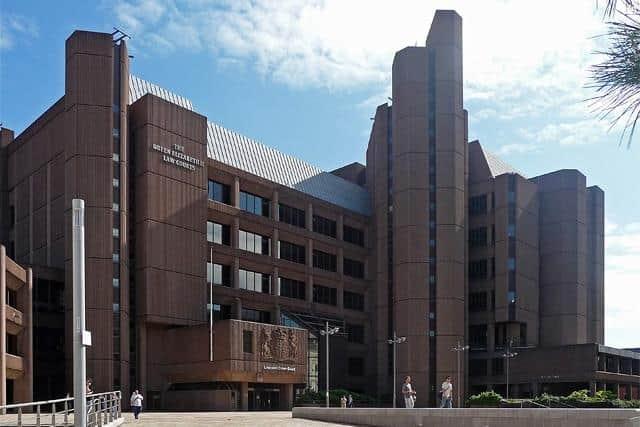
263	397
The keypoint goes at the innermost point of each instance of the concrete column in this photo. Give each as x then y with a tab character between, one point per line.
309	288
235	228
310	253
3	326
275	283
309	218
286	397
592	388
236	192
244	396
236	273
276	315
275	210
238	309
340	262
340	227
274	243
29	336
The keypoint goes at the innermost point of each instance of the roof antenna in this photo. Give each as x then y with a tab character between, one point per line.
119	35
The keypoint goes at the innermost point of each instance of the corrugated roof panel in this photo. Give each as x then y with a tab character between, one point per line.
497	166
139	87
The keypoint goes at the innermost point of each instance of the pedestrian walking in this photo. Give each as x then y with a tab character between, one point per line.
136	403
446	391
343	402
89	386
350	402
408	393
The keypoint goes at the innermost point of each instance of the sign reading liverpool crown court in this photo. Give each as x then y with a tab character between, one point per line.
176	156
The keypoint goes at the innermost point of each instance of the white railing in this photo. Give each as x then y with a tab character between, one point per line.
102	409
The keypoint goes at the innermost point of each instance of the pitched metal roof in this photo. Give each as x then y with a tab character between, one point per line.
138	88
233	149
497	166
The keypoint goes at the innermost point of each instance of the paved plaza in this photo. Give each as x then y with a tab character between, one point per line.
188	419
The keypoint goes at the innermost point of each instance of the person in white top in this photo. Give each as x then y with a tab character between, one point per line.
409	394
447	391
136	403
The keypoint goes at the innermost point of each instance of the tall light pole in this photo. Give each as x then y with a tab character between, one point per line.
459	348
508	354
395	340
327	332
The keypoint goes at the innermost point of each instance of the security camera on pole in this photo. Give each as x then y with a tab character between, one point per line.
81	337
326	332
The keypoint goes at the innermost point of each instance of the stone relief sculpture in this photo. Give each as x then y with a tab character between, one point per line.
278	345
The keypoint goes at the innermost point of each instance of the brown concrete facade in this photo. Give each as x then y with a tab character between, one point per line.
193	261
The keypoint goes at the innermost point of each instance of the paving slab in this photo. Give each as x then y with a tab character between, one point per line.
196	419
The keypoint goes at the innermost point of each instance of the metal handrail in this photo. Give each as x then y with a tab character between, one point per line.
102	408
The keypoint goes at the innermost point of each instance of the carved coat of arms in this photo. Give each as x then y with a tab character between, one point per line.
278	344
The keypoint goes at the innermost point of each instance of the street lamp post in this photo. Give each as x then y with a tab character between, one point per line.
459	348
508	354
395	340
327	332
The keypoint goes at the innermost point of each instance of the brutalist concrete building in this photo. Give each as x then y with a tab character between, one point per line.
214	261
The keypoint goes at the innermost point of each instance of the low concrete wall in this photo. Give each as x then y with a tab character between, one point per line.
474	417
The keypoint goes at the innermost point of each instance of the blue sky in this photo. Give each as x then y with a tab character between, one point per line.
305	77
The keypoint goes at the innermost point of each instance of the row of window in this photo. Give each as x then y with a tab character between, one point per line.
478	269
478	367
288	214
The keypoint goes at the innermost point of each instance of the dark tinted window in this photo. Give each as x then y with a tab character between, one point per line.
478	336
292	288
253	242
477	301
219	274
324	295
353	301
219	192
254	281
221	312
478	367
353	268
218	233
497	367
247	341
478	269
324	260
12	298
251	315
324	226
292	252
353	235
478	205
478	237
291	215
355	333
254	204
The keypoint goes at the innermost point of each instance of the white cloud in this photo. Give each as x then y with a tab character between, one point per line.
14	27
622	284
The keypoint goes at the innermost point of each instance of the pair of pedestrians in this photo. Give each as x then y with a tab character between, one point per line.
446	393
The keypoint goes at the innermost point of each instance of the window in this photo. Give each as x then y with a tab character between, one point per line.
292	252
477	301
478	205
12	298
255	243
292	288
254	281
356	366
292	216
324	226
218	233
259	316
523	334
497	367
493	267
353	268
478	270
12	344
324	295
478	237
511	230
353	235
511	263
219	192
477	367
219	274
478	337
355	333
247	341
221	312
511	297
353	301
493	234
324	260
254	204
